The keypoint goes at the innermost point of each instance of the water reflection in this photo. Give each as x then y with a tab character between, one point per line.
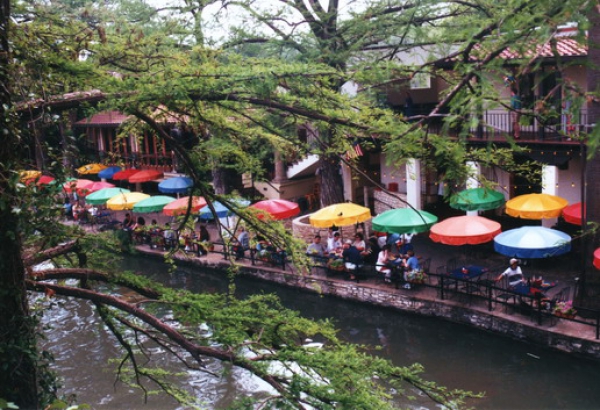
513	375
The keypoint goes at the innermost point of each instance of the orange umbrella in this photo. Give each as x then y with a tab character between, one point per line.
572	213
179	206
146	175
96	186
76	185
536	206
464	230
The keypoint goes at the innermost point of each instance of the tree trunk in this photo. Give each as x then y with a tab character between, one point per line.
331	182
18	378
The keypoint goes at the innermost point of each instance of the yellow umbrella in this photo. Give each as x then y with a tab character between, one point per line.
29	174
91	169
536	206
126	200
343	214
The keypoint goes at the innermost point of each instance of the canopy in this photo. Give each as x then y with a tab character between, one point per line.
29	174
277	208
465	230
76	185
221	210
125	201
342	214
532	242
572	213
100	197
93	187
597	258
90	169
175	185
536	206
153	204
404	220
107	173
146	175
179	206
477	199
124	174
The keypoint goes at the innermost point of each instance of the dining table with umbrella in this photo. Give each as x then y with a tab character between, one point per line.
145	175
341	214
180	206
464	230
572	213
175	185
94	187
276	208
155	203
29	174
91	169
403	220
536	206
532	242
124	174
220	210
125	201
40	180
75	185
477	199
107	173
101	196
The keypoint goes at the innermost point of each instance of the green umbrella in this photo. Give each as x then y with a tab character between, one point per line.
100	197
152	204
403	220
477	199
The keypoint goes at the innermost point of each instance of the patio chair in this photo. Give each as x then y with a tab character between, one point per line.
504	295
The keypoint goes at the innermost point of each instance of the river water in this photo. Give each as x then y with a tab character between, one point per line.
512	374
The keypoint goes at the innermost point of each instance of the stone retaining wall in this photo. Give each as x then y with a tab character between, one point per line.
303	230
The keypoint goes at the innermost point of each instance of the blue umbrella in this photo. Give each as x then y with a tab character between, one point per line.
221	210
532	242
176	185
108	173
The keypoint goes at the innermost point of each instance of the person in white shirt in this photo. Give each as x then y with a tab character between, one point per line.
513	273
382	263
334	243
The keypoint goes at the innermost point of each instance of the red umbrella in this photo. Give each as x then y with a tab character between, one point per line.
277	208
597	258
179	206
145	176
572	213
464	230
96	186
42	180
125	174
76	185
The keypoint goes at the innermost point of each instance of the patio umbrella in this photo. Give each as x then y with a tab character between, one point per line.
145	175
465	230
91	169
107	173
29	174
342	214
477	199
572	213
125	201
41	180
404	220
100	197
95	186
124	174
277	208
597	258
175	185
221	210
153	204
179	206
76	185
536	206
532	242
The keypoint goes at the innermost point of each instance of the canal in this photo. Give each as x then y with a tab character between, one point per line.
513	375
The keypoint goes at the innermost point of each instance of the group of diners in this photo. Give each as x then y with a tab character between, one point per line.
166	237
392	255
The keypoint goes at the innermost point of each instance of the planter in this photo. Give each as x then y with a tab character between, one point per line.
565	315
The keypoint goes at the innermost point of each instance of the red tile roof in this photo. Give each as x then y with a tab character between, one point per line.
105	118
564	47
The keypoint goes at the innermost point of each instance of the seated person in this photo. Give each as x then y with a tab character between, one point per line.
241	243
412	266
263	248
128	222
372	252
334	243
139	230
513	273
352	258
68	207
155	233
169	236
202	241
316	248
359	242
383	263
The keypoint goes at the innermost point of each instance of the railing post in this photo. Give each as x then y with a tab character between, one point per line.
597	325
442	287
489	295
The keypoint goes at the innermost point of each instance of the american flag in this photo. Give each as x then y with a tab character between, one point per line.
357	149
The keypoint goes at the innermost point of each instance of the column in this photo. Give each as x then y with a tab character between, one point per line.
473	180
413	183
549	182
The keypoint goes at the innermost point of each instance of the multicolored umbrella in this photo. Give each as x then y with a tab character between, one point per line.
404	220
536	206
342	214
277	208
100	197
572	213
125	201
465	230
175	185
125	174
532	242
221	210
95	186
76	185
179	206
107	173
91	169
41	180
145	175
29	174
153	204
477	199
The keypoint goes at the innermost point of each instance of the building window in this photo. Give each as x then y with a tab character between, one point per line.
420	81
